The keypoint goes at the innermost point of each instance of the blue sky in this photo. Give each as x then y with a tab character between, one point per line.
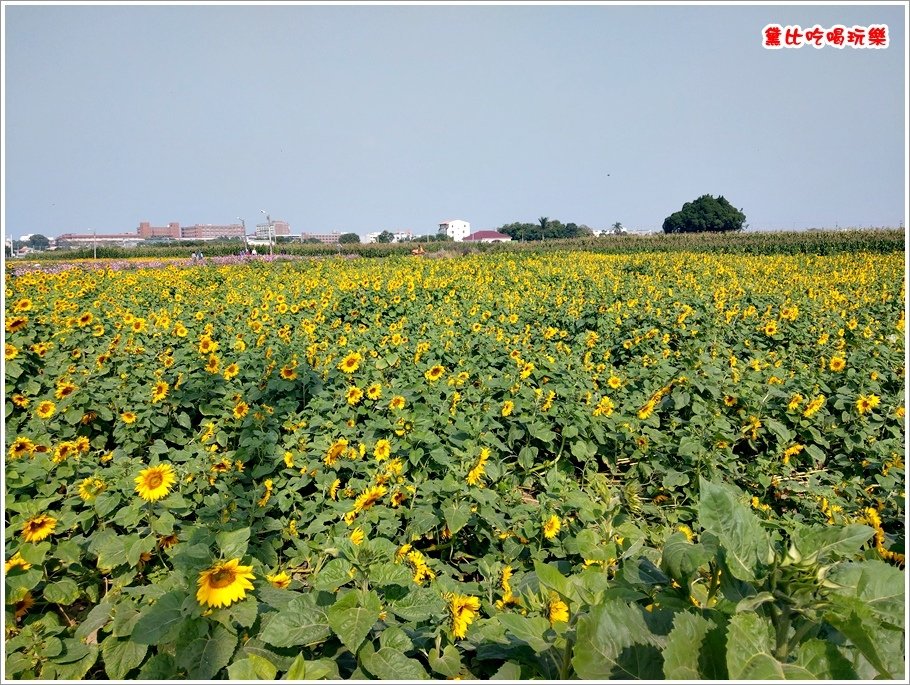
366	118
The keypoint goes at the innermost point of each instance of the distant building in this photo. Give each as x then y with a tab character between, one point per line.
278	228
488	237
85	239
327	238
146	230
456	229
175	231
211	231
397	236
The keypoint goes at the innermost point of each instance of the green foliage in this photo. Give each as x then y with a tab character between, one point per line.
706	214
349	238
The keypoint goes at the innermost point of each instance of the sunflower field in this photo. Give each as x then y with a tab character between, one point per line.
510	465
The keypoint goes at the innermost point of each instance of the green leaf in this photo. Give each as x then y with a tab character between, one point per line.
391	664
878	586
419	604
121	656
550	578
159	667
70	670
390	574
253	667
63	592
301	624
233	543
297	671
753	602
508	671
827	541
681	655
864	638
682	558
395	638
750	652
823	660
96	619
613	641
162	618
35	554
318	669
739	531
527	629
457	514
352	616
335	574
206	655
448	663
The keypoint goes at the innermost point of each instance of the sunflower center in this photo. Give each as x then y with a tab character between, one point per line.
222	578
154	480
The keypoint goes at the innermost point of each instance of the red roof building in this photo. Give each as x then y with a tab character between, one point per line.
488	237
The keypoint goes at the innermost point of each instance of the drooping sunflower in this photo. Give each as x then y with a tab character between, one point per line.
357	536
90	488
551	527
38	527
280	580
16	561
507	407
557	609
20	447
478	471
462	610
45	409
336	450
369	497
155	482
350	363
159	392
224	583
866	403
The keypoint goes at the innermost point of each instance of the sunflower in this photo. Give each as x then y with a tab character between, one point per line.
85	318
128	417
557	609
90	488
462	610
64	389
207	345
357	536
814	406
507	407
614	382
224	583
20	447
770	328
21	400
63	451
374	391
333	488
38	527
837	364
350	363
241	409
11	351
354	395
551	527
16	324
159	392
336	450
23	305
397	499
23	605
434	373
180	330
369	497
45	409
155	482
16	561
213	365
476	474
397	403
289	459
231	371
287	373
383	450
281	580
866	403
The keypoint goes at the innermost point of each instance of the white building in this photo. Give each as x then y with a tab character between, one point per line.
456	229
397	236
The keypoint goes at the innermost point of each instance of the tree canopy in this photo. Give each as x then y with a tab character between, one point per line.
38	242
705	214
544	229
348	238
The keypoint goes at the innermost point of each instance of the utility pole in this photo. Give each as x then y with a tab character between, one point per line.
269	220
243	223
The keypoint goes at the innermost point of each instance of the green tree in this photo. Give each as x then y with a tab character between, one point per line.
705	214
385	237
543	226
39	242
348	238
